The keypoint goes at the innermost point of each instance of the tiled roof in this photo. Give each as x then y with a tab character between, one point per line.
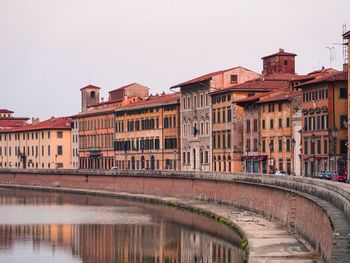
123	87
90	87
11	123
152	100
281	52
5	111
256	85
279	96
249	99
94	112
286	76
204	77
327	77
61	123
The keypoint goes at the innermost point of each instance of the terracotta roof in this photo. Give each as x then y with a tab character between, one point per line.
280	96
5	111
61	123
249	99
94	112
90	87
327	77
11	123
286	76
281	52
256	85
346	35
152	100
123	87
204	77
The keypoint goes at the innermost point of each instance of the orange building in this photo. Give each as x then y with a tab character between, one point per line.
147	134
324	122
96	123
228	122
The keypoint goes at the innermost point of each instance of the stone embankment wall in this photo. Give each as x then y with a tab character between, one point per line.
318	210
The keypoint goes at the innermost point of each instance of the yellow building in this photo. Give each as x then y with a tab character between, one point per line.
41	145
147	134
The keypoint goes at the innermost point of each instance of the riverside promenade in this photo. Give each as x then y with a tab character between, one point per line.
289	210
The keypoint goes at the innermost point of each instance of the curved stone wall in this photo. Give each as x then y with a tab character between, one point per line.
295	202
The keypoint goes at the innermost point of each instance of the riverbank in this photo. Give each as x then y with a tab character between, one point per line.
269	241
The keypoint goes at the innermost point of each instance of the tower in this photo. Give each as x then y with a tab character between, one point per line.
90	95
280	62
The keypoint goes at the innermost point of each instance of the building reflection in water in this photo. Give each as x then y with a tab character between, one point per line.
163	240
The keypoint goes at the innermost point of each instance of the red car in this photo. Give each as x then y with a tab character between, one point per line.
339	177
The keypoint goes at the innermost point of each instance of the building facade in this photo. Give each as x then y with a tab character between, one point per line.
346	37
147	134
43	145
324	121
196	114
96	123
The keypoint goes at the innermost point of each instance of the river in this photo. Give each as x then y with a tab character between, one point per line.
44	227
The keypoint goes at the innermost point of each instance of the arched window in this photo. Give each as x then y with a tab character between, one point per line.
229	163
92	94
214	163
285	62
219	162
224	162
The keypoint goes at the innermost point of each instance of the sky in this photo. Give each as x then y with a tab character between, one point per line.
49	49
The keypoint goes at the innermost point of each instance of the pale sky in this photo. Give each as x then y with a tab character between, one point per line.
49	49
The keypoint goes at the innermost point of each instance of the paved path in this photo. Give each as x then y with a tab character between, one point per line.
268	240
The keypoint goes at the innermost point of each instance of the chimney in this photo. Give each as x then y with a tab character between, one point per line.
345	67
281	50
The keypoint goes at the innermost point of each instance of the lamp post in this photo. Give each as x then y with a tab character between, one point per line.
313	138
293	159
270	148
334	135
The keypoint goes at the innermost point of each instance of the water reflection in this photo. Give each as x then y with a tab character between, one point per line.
168	236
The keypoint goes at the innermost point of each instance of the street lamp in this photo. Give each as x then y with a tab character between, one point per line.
270	148
313	138
334	135
293	145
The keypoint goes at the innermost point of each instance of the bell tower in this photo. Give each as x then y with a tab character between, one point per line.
90	95
281	63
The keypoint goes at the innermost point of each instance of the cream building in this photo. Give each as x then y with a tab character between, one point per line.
42	145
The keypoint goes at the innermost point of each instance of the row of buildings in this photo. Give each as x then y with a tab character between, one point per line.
232	120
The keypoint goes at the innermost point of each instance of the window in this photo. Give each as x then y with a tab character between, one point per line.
280	144
288	122
318	146
214	116
343	122
255	126
228	140
59	150
343	93
286	64
248	126
279	107
263	145
272	145
271	124
271	107
263	124
229	114
288	144
255	145
233	79
279	123
325	145
305	146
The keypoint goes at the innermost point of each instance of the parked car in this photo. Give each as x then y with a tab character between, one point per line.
280	172
328	175
339	177
321	174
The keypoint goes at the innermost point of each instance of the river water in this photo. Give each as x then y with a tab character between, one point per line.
43	227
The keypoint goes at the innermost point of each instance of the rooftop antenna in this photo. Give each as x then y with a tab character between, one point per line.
331	49
344	46
89	79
